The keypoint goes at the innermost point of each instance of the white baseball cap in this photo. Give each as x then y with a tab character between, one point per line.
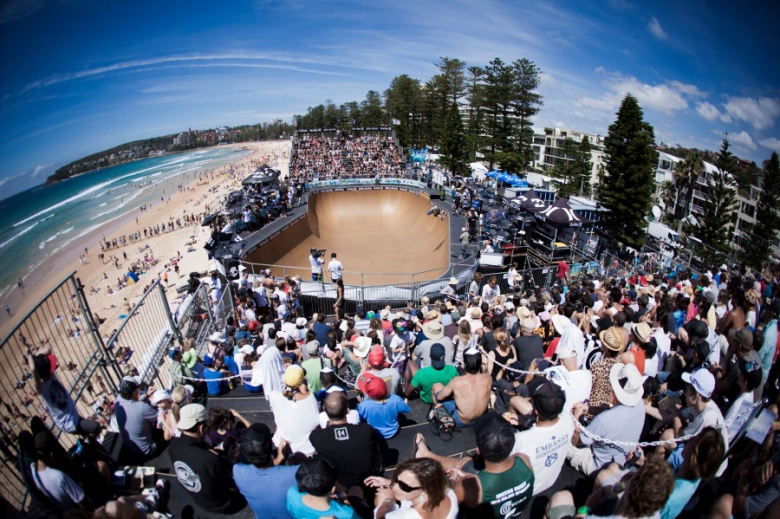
702	381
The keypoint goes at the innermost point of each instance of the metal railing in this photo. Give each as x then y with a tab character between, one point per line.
90	369
63	322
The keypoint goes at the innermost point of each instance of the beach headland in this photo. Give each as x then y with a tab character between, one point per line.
205	188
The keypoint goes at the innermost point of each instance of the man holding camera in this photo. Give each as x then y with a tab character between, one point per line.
316	260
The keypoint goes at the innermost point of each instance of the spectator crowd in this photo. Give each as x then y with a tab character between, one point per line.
640	385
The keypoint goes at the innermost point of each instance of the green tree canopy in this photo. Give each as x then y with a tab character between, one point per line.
628	183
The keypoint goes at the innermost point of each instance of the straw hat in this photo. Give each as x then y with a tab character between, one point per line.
612	338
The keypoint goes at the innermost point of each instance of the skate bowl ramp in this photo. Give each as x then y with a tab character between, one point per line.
383	234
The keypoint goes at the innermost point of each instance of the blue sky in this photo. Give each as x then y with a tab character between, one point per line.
79	76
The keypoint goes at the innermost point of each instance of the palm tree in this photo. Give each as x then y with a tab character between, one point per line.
685	174
668	195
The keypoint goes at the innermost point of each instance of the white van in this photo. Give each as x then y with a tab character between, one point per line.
663	233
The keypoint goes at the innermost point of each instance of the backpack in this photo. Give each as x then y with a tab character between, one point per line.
441	422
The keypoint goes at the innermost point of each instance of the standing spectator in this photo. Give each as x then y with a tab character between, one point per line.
296	412
335	268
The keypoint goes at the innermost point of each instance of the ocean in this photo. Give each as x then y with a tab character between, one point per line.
37	223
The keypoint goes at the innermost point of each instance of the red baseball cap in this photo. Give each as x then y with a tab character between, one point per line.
376	358
372	385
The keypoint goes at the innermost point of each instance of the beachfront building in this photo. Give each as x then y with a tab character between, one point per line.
183	139
550	149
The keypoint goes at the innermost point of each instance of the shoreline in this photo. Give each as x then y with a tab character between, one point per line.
204	187
173	153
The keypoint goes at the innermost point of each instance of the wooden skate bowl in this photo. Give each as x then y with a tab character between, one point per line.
384	234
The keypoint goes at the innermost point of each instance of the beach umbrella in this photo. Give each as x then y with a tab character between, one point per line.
493	206
500	223
530	201
264	174
500	235
209	219
561	215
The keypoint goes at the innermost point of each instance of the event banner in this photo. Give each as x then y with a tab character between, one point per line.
365	182
576	268
592	267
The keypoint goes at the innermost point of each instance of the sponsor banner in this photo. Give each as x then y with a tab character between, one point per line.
365	182
592	267
576	268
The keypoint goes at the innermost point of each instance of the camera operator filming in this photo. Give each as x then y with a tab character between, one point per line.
316	260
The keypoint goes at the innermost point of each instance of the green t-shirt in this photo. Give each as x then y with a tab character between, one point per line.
424	380
506	494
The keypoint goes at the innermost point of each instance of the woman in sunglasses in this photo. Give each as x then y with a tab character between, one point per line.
420	486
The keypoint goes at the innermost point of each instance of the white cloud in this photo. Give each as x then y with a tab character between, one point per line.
711	112
666	97
743	139
655	29
771	143
40	168
760	113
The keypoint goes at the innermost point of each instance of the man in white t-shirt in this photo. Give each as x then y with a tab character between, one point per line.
491	291
576	383
547	442
57	486
316	261
335	268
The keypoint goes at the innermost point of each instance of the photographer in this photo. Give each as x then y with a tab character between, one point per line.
316	260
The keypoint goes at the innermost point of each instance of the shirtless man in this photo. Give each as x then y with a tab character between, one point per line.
466	397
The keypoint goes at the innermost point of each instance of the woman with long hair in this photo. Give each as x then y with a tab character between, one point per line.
338	306
503	354
420	486
461	341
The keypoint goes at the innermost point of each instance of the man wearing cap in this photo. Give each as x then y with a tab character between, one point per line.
380	410
623	422
547	442
314	365
434	334
207	476
466	397
260	474
63	411
450	292
575	382
464	242
381	368
136	419
296	412
316	261
355	446
335	268
504	486
438	372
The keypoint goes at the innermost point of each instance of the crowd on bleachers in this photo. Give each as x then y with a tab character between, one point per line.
573	377
345	156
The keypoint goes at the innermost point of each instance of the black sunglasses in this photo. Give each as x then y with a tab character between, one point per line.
405	487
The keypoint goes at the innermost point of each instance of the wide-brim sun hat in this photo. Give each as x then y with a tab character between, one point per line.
433	330
631	392
560	323
362	346
218	337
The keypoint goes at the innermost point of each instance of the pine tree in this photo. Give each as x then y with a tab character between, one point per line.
584	167
453	145
629	180
767	217
527	104
719	206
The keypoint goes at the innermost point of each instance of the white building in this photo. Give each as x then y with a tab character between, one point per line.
549	149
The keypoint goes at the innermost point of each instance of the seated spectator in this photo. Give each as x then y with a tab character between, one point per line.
466	397
547	442
433	332
422	489
296	412
380	367
354	445
224	426
310	498
494	483
136	419
207	476
438	372
214	375
647	491
503	354
378	409
313	365
611	346
623	422
576	383
260	474
57	486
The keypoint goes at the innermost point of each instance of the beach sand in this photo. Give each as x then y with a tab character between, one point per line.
209	189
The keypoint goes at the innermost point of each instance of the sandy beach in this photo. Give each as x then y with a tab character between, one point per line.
204	189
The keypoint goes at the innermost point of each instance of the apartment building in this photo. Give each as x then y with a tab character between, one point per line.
549	149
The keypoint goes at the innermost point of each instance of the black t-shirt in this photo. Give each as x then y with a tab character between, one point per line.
208	477
528	348
355	445
488	342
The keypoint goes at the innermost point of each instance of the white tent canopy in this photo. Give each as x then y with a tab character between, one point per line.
478	170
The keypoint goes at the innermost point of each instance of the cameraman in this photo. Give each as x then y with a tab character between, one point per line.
316	260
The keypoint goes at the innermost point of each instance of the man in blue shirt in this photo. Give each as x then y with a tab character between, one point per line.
377	409
260	476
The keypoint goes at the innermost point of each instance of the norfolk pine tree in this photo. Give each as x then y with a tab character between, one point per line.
628	184
719	204
453	145
767	217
